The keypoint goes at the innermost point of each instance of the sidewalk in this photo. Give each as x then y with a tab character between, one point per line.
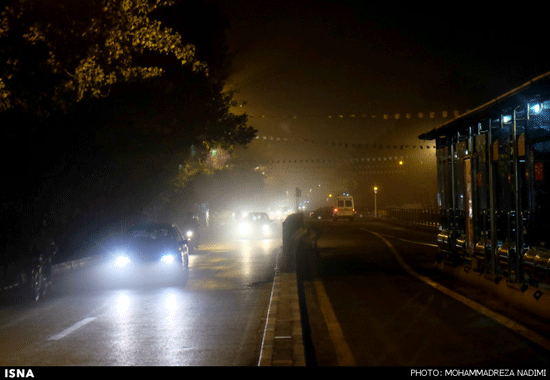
282	342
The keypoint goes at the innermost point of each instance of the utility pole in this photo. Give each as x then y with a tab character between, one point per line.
375	209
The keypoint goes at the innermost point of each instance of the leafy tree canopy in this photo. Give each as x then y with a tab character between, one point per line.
108	105
56	53
61	53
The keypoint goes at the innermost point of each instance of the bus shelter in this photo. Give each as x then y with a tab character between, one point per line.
493	171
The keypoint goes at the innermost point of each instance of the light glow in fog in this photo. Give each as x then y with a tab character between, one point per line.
162	310
122	261
122	303
251	248
244	228
168	259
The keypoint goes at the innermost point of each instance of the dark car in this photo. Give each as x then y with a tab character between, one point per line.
149	252
322	213
255	225
362	212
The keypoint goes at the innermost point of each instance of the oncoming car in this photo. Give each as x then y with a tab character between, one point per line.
255	225
150	252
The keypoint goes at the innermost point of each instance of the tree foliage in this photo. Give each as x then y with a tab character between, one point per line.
109	108
64	52
56	53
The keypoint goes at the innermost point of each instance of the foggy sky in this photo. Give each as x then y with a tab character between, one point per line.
297	63
310	57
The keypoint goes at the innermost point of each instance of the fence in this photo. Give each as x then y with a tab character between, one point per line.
428	217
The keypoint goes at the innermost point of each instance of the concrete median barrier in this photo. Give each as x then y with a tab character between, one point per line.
286	334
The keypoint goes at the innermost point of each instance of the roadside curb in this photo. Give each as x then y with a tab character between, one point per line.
282	343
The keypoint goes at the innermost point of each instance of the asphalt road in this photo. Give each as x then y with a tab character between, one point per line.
217	319
379	300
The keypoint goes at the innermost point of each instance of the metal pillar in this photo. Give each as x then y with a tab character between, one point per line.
492	211
515	276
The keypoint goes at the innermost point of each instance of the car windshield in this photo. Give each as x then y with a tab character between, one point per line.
152	232
258	217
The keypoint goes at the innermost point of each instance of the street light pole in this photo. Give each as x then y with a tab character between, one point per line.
375	209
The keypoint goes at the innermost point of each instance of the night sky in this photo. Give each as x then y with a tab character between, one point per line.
322	57
323	72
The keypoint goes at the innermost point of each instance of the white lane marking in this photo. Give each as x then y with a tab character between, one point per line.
505	321
71	329
407	240
265	351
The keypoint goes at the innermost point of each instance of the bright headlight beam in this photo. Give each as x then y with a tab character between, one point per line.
167	259
244	228
536	108
122	261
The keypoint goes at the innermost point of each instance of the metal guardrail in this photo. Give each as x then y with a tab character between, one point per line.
72	264
428	217
58	268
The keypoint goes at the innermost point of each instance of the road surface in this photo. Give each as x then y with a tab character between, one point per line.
378	300
217	319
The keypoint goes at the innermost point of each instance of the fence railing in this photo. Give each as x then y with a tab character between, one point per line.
428	217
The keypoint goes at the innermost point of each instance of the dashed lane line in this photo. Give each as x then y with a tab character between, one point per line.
71	329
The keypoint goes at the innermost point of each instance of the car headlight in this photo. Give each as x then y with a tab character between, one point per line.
189	234
168	258
122	261
244	228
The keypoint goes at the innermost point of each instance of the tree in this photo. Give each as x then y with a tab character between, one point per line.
61	52
106	104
